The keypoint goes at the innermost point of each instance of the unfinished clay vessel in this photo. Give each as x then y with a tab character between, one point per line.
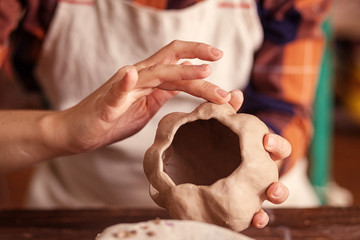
210	165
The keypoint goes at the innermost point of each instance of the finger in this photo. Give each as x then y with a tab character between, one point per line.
157	99
278	147
186	63
199	88
155	75
260	219
277	193
120	87
128	82
176	50
236	99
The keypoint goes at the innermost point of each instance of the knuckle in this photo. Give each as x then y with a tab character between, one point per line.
152	74
153	68
174	43
121	71
201	48
206	86
125	68
198	46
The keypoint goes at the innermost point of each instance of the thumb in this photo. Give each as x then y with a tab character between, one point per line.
129	80
120	89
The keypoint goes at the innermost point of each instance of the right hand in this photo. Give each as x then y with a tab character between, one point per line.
125	103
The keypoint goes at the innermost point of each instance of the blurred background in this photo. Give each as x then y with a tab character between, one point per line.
335	153
345	130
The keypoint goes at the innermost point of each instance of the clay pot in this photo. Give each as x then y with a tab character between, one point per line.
210	165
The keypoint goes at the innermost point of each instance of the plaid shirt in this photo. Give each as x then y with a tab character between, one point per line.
284	75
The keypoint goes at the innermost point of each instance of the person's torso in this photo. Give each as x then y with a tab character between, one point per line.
90	40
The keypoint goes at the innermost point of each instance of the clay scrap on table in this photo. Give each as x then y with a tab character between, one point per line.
210	166
169	230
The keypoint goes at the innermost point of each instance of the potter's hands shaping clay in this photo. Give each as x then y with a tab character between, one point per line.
211	165
127	101
119	108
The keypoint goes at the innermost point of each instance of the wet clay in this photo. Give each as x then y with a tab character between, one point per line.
210	165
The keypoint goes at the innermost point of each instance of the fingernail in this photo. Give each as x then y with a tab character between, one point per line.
222	93
216	52
262	224
271	143
237	94
278	192
202	67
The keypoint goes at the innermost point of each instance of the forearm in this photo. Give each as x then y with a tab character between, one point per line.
116	110
28	137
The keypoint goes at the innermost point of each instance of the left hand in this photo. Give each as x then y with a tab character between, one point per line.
279	148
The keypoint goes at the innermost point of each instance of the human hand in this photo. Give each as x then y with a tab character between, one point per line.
125	103
279	148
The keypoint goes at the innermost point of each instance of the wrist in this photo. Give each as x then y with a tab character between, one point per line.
54	134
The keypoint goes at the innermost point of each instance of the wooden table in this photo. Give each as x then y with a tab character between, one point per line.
317	223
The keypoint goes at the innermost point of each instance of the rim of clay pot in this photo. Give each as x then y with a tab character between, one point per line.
171	123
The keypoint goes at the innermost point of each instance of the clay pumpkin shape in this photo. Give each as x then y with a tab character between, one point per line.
210	166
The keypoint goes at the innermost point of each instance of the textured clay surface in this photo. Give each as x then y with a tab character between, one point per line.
210	165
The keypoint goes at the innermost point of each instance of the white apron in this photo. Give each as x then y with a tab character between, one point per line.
87	43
